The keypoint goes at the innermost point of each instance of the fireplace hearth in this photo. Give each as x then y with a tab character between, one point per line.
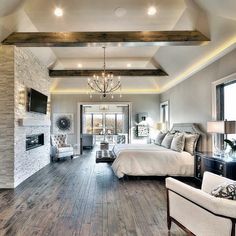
34	141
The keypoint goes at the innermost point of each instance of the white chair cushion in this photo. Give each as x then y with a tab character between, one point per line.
210	181
65	149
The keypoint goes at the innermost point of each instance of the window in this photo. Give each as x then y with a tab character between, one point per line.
164	112
229	101
98	123
226	97
88	121
120	123
110	123
95	123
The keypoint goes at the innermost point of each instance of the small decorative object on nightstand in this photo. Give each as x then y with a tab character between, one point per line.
206	161
232	145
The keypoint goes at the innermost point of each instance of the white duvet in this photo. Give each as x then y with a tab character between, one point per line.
151	160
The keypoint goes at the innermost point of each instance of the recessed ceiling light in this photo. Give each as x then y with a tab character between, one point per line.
58	11
120	12
80	65
152	11
128	65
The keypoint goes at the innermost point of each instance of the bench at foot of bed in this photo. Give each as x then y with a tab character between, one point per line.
105	156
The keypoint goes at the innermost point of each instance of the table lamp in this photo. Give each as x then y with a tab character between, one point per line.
161	126
221	127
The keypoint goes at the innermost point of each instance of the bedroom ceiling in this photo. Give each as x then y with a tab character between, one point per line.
211	17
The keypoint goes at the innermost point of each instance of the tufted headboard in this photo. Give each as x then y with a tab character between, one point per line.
192	128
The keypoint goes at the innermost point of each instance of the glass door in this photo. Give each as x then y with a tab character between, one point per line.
111	124
110	127
88	124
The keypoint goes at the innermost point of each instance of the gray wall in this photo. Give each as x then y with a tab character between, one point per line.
140	103
191	100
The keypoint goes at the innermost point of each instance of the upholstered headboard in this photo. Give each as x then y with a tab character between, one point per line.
192	128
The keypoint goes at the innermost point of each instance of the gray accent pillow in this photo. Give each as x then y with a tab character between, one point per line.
160	138
167	140
178	142
190	142
226	190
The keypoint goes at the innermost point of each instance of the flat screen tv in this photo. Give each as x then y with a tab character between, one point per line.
37	102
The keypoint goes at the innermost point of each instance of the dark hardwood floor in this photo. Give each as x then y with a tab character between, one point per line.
79	197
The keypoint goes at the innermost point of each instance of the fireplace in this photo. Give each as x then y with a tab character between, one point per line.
34	141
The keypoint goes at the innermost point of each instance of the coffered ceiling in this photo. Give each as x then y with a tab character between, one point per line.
211	17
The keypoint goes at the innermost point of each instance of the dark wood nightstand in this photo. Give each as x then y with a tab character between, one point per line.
224	166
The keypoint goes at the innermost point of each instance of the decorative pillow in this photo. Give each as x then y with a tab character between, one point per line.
160	138
226	190
178	142
190	142
167	140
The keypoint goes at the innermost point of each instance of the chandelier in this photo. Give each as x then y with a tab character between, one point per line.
104	84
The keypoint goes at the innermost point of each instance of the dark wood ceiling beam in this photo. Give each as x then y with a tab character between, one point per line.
90	73
97	39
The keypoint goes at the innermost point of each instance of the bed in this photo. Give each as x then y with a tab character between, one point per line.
154	160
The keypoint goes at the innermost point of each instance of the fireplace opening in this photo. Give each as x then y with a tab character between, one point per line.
34	141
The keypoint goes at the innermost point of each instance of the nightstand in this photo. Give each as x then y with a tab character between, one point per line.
206	161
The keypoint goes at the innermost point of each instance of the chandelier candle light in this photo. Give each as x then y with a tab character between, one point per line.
104	84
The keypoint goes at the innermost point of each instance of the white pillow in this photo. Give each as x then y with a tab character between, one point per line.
160	138
178	142
167	140
190	142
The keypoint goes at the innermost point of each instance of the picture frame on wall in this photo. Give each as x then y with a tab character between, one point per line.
63	123
142	131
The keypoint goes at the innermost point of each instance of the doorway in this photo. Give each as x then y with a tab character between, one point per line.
99	122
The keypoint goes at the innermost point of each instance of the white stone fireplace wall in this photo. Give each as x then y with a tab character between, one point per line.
6	117
19	70
29	73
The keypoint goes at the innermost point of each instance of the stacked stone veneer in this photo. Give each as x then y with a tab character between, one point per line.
21	70
6	117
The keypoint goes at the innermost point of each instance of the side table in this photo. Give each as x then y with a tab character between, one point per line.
104	145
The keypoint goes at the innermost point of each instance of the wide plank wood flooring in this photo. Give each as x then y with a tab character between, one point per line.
79	197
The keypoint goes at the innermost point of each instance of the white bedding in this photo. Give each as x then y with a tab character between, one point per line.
151	160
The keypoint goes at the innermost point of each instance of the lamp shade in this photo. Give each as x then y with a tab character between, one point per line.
161	126
221	127
230	127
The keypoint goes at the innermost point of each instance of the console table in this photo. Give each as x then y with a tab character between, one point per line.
207	161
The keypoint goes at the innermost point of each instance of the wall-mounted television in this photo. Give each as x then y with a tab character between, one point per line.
37	102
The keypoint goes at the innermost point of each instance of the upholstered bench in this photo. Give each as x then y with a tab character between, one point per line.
105	156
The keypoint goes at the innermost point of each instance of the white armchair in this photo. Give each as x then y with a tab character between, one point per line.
196	211
60	148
